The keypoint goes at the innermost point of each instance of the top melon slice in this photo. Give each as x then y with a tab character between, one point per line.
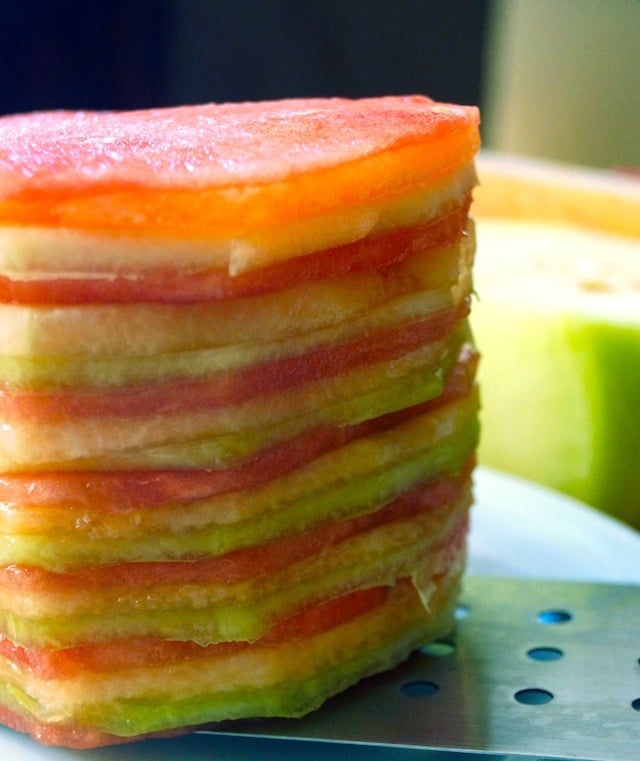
226	169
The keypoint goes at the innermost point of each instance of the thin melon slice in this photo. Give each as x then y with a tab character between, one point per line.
229	168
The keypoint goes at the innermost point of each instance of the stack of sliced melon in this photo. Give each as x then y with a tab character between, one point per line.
237	410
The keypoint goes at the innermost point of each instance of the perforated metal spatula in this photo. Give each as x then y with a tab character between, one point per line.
535	669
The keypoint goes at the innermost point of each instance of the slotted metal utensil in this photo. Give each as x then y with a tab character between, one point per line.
534	669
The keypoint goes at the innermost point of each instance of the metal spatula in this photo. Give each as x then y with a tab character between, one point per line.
535	669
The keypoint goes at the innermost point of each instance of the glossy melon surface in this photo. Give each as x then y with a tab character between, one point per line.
238	410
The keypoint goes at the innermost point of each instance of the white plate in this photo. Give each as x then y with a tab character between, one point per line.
521	529
518	529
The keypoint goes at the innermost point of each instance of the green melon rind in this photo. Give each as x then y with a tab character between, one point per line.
613	379
558	446
587	370
558	321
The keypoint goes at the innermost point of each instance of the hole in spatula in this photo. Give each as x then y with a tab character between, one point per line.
419	688
553	616
545	653
635	704
533	696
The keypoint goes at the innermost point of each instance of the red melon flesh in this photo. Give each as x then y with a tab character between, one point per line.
225	168
137	653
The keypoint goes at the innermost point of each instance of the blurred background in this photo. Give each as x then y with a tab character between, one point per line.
139	53
555	78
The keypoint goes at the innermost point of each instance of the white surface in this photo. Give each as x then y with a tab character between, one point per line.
521	529
518	529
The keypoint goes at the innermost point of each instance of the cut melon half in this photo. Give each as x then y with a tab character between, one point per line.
558	322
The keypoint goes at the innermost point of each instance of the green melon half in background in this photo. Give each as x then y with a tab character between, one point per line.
557	321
